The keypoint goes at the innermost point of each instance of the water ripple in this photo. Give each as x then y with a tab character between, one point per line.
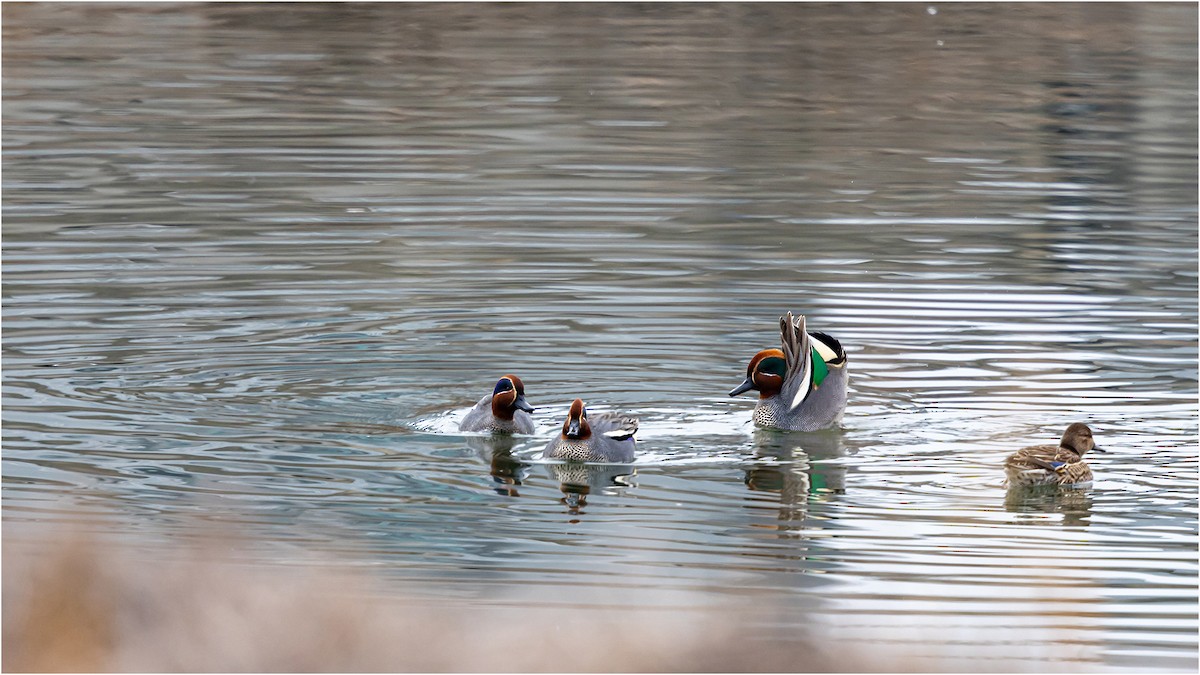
232	299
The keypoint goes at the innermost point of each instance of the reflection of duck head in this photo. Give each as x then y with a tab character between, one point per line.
786	466
800	454
577	480
791	482
507	470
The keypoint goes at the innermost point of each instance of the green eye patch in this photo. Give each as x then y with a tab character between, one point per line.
773	366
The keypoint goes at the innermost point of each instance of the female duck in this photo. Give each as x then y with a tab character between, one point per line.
1053	465
603	437
801	387
503	411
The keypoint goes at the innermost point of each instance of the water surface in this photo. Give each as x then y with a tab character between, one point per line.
260	258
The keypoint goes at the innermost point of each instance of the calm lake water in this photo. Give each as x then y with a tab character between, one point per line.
259	259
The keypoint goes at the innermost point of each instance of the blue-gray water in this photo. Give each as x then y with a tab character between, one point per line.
258	260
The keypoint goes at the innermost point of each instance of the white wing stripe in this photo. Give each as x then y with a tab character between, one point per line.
806	387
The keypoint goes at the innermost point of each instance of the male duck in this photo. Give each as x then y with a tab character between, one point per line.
1060	464
603	437
801	387
503	411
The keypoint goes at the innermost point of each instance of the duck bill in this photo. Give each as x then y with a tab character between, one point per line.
1096	448
522	404
573	428
745	386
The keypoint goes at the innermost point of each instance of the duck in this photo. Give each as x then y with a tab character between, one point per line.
801	387
1060	464
504	411
602	437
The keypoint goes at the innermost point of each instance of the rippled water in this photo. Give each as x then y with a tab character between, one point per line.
259	259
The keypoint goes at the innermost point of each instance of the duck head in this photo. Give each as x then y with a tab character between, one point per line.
576	427
765	373
1078	437
509	397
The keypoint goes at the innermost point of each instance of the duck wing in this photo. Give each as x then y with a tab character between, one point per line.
1048	457
1046	464
797	352
617	426
809	357
1034	457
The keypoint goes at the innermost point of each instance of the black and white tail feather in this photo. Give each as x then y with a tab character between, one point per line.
797	352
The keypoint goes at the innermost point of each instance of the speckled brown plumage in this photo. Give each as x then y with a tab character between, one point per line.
1060	464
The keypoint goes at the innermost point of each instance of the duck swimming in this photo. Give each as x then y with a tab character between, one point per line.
504	411
1060	464
603	437
801	387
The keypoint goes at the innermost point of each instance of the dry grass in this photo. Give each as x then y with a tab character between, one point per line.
71	604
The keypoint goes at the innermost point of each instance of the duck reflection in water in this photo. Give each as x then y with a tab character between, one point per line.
1075	504
507	470
789	464
577	481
